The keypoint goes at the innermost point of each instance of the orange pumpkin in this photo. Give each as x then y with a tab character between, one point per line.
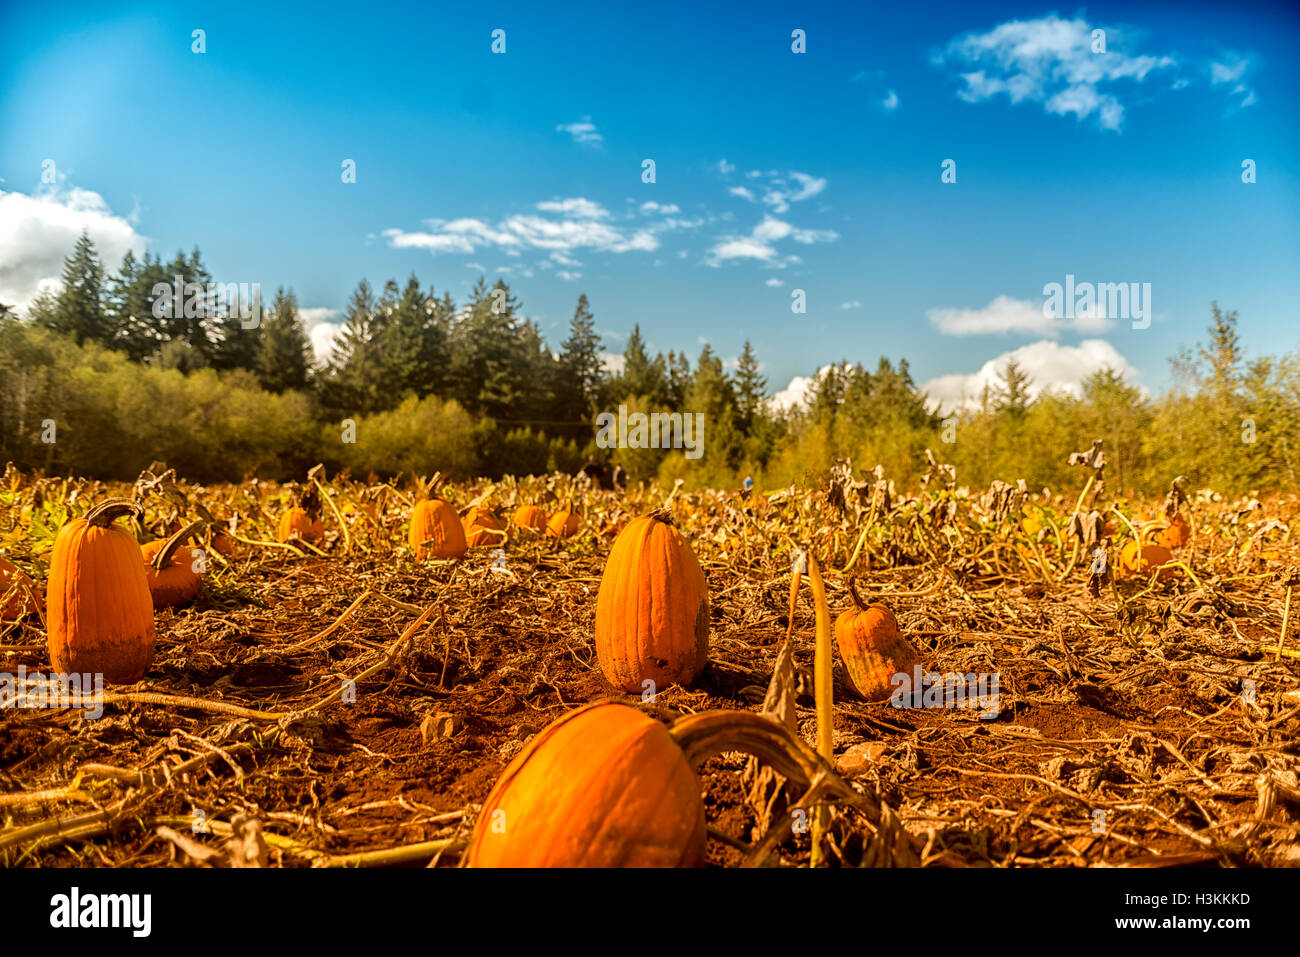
871	648
299	523
436	531
602	786
1149	558
482	527
1173	533
100	612
18	595
169	568
530	516
652	610
563	524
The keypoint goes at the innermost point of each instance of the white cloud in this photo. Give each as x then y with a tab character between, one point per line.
1007	315
575	207
322	334
39	231
612	362
774	282
851	304
742	192
569	224
890	102
1050	366
796	393
665	209
1231	71
1050	61
760	244
725	168
568	276
583	132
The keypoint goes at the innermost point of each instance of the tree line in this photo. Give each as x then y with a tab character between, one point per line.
416	381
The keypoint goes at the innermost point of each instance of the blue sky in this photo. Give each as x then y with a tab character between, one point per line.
775	171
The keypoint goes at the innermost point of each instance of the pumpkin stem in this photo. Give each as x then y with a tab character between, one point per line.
105	513
858	603
664	515
164	556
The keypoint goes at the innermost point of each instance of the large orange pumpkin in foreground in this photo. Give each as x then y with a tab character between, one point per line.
652	611
603	786
170	569
872	649
18	595
436	531
100	613
482	527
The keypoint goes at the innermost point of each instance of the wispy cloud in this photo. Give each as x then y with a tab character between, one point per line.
1050	61
584	132
890	102
761	243
1231	70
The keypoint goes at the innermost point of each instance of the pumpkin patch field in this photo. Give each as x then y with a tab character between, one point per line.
342	672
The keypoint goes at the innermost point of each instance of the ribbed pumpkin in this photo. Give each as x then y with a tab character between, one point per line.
436	531
530	516
169	569
482	527
1143	562
652	610
18	595
563	523
100	613
603	786
871	648
298	523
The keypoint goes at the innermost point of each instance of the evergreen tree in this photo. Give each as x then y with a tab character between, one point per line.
751	389
1011	395
283	356
78	308
580	367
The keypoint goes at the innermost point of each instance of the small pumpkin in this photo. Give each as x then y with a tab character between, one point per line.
602	786
482	527
303	519
1174	532
563	524
18	595
871	648
436	531
170	569
1138	559
652	610
100	612
530	516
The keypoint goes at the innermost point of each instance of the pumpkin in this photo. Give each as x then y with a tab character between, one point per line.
18	595
603	786
436	531
482	527
1147	559
871	648
298	523
562	524
169	569
100	612
652	610
530	516
1173	533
